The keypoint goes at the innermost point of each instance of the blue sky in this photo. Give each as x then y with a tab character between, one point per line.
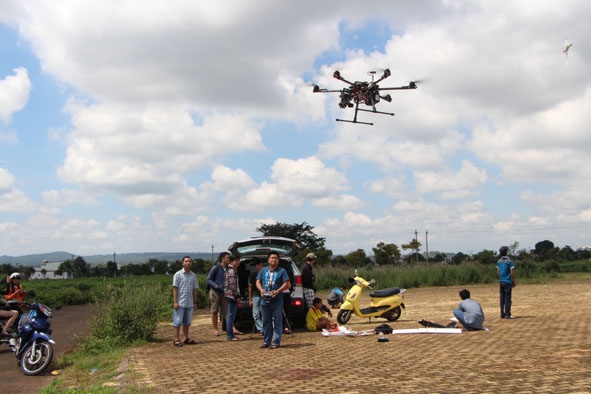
177	126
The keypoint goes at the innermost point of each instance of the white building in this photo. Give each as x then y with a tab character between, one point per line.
47	271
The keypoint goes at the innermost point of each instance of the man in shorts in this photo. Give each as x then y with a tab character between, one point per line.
184	294
215	284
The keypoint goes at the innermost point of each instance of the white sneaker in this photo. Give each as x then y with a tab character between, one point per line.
454	319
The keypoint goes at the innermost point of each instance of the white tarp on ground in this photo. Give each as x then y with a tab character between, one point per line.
428	330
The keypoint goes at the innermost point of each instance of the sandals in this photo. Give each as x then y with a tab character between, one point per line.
273	346
189	342
177	343
234	339
264	345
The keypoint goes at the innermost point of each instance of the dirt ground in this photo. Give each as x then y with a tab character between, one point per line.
67	323
547	348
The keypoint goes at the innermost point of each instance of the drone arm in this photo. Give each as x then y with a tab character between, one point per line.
386	74
337	75
411	85
317	89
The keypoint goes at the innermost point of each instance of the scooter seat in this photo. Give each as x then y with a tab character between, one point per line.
385	292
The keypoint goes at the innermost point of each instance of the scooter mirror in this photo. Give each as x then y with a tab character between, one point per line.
373	282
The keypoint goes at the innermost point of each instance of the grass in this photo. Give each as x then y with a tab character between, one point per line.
90	372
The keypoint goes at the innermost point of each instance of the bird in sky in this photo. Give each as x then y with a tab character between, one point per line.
566	47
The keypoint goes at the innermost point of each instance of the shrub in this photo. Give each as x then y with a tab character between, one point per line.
124	314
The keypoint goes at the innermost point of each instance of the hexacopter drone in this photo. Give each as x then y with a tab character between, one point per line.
363	92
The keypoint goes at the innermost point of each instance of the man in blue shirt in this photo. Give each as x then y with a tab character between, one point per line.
469	312
506	272
271	282
335	298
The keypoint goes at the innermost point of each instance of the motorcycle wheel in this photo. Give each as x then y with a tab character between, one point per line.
343	316
33	363
394	314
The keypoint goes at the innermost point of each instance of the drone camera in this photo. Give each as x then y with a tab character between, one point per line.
316	88
412	85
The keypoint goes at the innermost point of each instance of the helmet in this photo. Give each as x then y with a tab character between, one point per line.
15	275
503	250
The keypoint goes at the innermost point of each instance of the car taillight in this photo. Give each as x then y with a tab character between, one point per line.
299	281
297	303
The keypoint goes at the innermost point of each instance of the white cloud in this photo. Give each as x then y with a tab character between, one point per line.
14	93
11	198
467	182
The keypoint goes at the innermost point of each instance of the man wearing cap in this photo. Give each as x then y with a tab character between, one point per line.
308	279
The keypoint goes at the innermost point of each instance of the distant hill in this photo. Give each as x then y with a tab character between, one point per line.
35	260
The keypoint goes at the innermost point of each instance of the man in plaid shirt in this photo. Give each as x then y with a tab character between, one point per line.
184	294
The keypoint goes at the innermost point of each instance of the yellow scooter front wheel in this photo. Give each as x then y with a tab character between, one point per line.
344	316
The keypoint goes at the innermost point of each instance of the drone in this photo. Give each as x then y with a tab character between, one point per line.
364	92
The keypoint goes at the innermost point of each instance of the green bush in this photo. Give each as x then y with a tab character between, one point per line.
127	313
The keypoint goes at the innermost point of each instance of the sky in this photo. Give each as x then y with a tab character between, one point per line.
185	125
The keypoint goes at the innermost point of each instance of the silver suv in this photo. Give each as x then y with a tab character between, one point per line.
257	249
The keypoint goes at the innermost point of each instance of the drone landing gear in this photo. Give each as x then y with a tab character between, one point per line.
353	121
375	112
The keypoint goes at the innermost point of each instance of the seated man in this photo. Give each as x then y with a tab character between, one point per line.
335	298
469	313
315	320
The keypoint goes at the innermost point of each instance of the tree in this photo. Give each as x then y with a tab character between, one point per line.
567	254
112	268
583	254
358	258
386	253
7	269
544	249
158	266
513	248
486	257
414	245
440	257
80	268
339	260
65	268
459	258
301	232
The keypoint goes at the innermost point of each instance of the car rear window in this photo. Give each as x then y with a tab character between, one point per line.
283	249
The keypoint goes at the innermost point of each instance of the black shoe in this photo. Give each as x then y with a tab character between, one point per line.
451	325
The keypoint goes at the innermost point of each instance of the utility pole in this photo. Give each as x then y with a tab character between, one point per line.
417	241
212	261
427	244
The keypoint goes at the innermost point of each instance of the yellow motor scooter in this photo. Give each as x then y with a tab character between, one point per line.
386	303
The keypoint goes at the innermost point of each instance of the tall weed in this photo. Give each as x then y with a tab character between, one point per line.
126	313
